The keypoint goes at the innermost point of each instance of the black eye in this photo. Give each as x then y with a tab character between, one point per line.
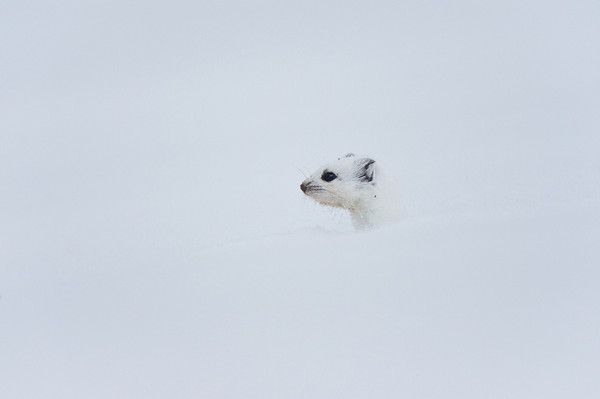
328	176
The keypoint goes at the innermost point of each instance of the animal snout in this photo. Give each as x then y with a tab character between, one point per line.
303	187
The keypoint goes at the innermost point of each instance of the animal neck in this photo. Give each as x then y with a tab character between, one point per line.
363	213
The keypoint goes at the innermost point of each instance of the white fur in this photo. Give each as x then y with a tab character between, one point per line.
363	191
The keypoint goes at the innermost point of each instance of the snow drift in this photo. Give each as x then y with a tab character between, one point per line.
154	242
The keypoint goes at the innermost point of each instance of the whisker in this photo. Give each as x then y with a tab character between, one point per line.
302	173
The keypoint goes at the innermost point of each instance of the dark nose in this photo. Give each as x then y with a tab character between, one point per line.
303	187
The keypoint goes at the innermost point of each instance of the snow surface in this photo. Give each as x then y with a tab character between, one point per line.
154	242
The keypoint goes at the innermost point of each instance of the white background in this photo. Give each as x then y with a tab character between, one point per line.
154	241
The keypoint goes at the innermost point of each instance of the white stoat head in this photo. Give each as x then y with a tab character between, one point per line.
349	183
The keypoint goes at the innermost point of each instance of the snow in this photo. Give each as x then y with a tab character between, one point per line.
154	241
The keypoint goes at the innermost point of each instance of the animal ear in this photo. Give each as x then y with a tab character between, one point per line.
348	155
366	169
